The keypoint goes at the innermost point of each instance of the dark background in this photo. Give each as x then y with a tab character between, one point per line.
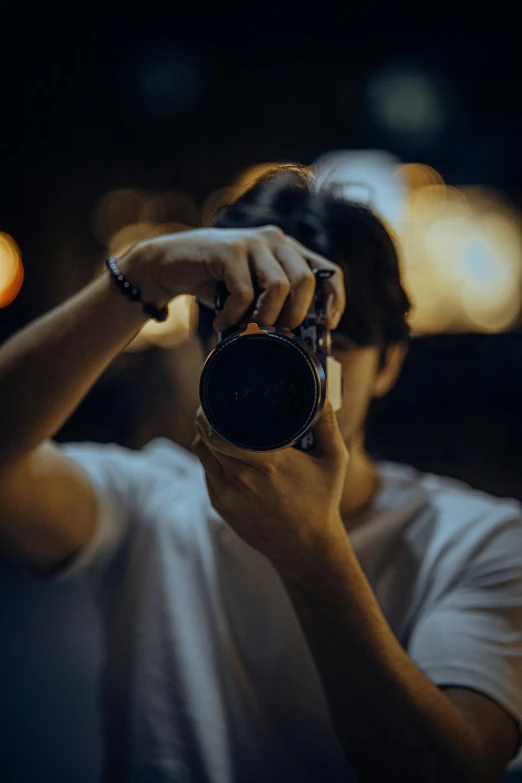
186	100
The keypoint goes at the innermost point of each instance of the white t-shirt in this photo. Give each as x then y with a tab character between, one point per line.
208	676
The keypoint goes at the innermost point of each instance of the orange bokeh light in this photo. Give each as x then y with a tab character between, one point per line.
11	269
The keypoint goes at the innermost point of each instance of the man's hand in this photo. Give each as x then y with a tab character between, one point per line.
192	262
284	503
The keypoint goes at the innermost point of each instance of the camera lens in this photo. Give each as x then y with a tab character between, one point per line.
260	392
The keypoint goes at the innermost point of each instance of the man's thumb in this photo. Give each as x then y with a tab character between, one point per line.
328	439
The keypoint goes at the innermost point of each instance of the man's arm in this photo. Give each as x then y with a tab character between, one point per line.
47	368
47	504
392	721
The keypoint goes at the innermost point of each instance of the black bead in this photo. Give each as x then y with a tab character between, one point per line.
159	314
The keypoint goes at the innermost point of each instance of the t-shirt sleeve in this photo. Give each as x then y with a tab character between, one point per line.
471	635
117	476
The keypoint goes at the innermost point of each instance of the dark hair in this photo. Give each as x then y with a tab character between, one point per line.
347	233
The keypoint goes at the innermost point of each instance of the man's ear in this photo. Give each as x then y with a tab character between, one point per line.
390	371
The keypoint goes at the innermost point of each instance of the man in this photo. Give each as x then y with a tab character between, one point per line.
279	615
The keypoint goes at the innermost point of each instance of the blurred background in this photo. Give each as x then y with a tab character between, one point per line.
137	124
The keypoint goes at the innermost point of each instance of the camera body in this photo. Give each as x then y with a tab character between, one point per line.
263	387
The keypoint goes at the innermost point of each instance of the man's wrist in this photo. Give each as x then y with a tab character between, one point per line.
304	565
137	265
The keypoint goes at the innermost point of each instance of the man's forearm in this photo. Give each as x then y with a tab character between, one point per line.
389	717
48	367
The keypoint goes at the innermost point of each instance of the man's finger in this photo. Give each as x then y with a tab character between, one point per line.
238	280
304	251
271	278
334	286
302	283
329	442
227	451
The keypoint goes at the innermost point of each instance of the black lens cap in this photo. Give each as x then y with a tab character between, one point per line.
260	391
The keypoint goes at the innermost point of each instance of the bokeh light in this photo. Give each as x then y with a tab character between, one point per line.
408	102
171	205
371	177
462	260
130	235
11	269
180	326
115	210
122	207
460	248
419	175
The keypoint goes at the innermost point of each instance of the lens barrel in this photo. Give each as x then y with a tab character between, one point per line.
262	391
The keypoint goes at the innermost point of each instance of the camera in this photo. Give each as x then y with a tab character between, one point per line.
263	387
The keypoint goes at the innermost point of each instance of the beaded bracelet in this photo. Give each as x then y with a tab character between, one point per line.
157	313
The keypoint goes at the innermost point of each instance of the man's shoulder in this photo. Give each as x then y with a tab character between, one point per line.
452	505
455	497
456	531
158	458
